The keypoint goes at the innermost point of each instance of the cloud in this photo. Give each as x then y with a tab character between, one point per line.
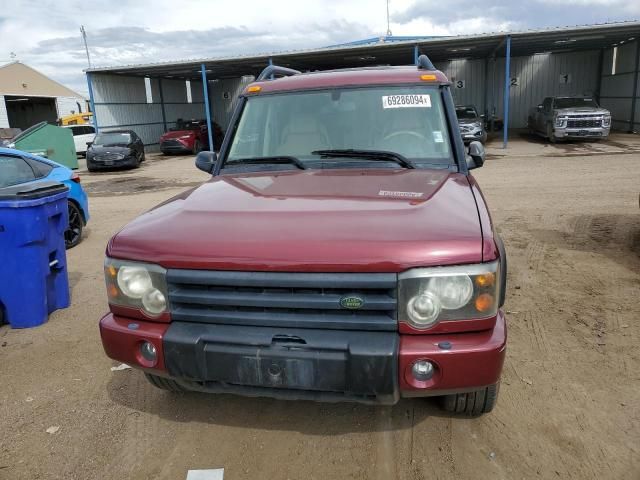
45	33
496	14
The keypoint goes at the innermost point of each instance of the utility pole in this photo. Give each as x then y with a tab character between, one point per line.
86	47
389	34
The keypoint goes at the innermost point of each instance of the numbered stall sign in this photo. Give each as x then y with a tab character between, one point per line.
515	81
460	84
565	78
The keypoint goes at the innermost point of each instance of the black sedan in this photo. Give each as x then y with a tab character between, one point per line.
117	148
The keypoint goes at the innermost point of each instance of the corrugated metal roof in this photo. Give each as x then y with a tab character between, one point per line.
355	54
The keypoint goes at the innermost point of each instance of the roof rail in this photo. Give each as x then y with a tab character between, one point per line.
425	63
273	70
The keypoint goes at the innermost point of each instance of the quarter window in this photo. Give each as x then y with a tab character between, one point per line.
14	170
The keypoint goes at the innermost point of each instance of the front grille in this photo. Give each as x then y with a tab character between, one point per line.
171	144
295	300
584	123
465	128
108	157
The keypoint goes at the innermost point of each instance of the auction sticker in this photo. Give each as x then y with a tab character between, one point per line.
406	101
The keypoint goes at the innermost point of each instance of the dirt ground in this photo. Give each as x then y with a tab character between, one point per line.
569	404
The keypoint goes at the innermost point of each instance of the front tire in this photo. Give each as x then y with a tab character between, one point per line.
550	135
73	234
472	403
164	383
197	147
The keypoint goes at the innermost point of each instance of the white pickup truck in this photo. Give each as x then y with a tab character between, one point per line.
558	118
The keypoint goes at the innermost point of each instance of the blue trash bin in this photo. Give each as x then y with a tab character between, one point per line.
33	261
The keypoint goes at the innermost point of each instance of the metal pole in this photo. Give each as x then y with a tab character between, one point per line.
164	115
634	99
507	85
86	48
91	102
416	54
205	92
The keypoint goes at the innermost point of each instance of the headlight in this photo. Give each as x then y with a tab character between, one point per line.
427	296
478	124
137	285
561	121
606	121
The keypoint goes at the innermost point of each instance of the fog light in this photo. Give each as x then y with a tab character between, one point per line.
422	370
148	352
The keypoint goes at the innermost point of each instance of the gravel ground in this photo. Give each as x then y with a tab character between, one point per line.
569	405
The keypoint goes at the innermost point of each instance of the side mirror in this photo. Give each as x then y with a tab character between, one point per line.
205	161
475	159
539	107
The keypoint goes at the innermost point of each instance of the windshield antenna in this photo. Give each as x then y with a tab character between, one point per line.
389	34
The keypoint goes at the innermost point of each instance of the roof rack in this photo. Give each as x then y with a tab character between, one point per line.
273	70
425	63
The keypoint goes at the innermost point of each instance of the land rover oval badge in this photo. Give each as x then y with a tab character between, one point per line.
351	302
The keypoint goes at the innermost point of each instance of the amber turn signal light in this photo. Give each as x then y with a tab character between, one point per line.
112	291
484	302
485	280
428	77
254	89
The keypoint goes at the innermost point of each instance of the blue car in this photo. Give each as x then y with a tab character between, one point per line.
18	167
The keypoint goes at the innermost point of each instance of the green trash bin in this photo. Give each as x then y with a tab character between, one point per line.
49	141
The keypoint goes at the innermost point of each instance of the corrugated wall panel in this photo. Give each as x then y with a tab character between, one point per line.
539	76
472	74
4	119
617	90
121	102
117	89
221	107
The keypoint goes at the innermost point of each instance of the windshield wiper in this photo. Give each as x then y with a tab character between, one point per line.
378	155
280	159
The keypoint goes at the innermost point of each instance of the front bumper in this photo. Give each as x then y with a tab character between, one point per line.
128	161
594	132
325	365
175	146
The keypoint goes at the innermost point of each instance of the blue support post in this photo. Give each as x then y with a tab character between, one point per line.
93	107
507	86
205	92
416	54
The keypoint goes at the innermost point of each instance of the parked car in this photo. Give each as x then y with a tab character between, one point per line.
189	136
82	134
558	118
341	251
18	167
116	148
471	124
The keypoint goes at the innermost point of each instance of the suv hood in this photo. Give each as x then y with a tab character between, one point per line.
468	121
313	220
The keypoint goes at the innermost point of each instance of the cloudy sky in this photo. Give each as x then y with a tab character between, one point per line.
45	33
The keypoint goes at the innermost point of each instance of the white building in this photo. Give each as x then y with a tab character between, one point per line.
28	97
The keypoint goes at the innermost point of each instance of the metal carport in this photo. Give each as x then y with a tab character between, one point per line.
508	72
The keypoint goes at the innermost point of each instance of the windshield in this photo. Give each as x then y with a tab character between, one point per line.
466	113
404	120
107	139
186	125
575	102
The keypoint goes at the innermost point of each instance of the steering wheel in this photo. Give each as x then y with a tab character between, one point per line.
417	135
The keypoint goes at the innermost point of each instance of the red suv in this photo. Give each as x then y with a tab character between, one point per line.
340	251
190	136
